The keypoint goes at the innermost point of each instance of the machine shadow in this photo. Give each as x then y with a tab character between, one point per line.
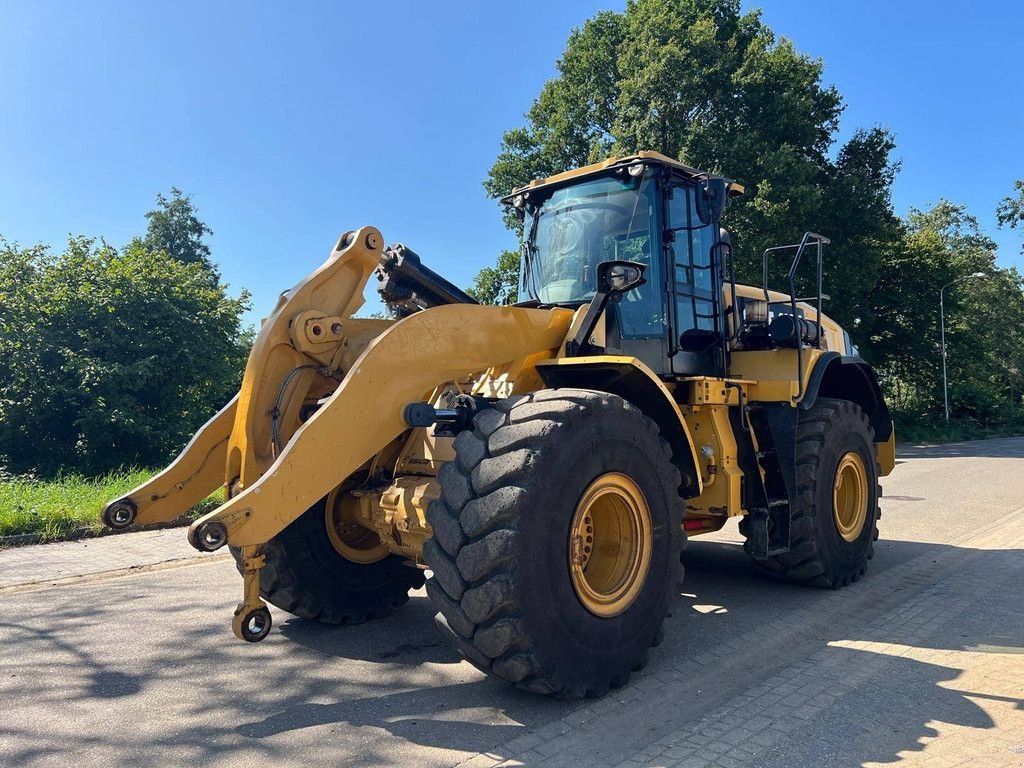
407	637
722	598
419	694
425	716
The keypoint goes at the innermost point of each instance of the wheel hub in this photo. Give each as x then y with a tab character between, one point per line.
352	541
850	496
610	542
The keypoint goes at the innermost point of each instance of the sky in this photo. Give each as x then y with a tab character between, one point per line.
291	123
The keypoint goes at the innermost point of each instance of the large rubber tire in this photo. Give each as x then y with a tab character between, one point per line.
818	554
499	553
306	576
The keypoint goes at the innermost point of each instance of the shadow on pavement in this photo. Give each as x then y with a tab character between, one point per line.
399	676
407	637
893	711
414	715
991	448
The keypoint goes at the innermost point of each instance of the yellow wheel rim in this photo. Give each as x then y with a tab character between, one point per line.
352	541
610	543
850	496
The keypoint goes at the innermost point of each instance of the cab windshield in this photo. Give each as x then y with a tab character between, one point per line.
575	228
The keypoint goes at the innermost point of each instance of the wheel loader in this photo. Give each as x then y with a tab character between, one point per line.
539	466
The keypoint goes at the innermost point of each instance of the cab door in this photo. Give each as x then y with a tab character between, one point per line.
695	286
637	325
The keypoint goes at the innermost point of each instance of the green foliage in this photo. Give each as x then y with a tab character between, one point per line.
983	320
703	82
110	357
498	284
175	229
1010	212
913	428
55	508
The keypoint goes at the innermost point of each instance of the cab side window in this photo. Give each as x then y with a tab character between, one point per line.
641	311
692	243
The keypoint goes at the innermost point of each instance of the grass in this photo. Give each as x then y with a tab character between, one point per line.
58	507
55	508
917	430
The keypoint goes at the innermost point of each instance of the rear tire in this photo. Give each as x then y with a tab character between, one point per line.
305	575
830	548
502	552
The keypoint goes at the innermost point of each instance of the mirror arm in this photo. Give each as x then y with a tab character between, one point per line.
578	343
607	291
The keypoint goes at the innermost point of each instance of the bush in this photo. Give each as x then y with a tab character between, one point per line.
110	358
924	428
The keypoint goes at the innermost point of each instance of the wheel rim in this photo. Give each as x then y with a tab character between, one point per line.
850	496
610	541
352	541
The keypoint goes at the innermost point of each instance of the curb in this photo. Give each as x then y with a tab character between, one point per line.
24	539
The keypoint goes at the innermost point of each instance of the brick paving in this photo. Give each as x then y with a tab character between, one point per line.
68	559
931	656
921	665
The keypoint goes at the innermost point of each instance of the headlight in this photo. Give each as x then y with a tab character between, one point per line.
755	311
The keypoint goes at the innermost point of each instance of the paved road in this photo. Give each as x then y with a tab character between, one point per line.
922	663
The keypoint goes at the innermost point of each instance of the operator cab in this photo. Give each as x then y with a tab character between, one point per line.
645	210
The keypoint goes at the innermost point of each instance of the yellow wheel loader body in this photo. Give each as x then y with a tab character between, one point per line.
366	443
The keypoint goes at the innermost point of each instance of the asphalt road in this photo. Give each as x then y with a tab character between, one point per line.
142	669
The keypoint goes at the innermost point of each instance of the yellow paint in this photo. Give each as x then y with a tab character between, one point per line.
332	293
648	373
885	453
850	496
610	543
721	476
346	530
197	472
772	373
734	188
364	414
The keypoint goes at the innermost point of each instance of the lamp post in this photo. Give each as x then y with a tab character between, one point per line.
942	326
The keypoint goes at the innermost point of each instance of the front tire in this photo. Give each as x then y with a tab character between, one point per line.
556	541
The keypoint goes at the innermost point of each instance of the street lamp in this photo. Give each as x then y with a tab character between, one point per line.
942	325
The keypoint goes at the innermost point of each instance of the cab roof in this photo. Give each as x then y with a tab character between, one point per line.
614	162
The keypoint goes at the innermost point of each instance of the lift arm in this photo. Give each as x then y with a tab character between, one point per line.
197	472
364	414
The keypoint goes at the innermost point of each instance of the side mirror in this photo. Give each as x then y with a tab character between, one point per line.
614	278
618	277
712	197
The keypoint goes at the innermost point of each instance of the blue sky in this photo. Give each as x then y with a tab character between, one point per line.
290	124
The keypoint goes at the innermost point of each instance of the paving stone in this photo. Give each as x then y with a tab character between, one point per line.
40	563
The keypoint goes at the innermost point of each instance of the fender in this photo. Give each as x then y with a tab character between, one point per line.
630	379
848	377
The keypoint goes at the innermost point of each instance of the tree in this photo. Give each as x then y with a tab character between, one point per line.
1010	212
175	229
983	319
700	81
498	284
111	357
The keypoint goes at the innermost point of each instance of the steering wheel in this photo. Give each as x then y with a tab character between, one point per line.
567	240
